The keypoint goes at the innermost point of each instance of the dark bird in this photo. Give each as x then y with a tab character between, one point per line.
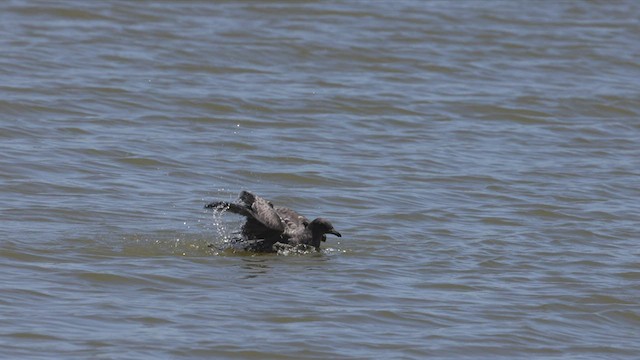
268	225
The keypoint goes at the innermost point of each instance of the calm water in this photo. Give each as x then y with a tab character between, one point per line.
481	159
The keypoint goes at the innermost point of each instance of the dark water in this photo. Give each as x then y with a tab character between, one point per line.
481	159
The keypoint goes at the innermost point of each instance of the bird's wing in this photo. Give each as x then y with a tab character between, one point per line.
293	221
239	209
256	209
262	210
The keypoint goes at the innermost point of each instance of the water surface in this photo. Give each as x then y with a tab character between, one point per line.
479	158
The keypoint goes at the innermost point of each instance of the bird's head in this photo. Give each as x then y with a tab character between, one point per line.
321	226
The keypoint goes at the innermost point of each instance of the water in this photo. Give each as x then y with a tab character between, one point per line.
480	159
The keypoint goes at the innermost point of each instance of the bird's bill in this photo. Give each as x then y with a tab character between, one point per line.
334	232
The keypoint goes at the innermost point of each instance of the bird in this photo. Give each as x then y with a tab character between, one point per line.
268	227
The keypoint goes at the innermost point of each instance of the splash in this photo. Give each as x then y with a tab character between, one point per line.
225	237
220	227
301	249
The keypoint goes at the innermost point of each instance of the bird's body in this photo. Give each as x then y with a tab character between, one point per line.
268	225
